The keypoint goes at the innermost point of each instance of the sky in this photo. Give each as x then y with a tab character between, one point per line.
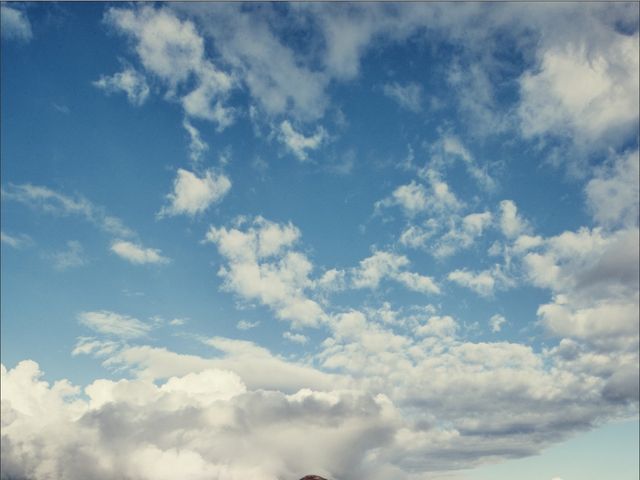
359	240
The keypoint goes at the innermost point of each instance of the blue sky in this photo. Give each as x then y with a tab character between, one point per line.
405	233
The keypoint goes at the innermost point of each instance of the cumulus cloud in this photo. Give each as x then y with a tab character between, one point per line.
372	270
15	24
482	283
262	265
415	198
604	104
193	194
511	223
439	326
298	143
612	194
594	278
114	324
136	253
173	51
408	96
275	75
129	81
462	234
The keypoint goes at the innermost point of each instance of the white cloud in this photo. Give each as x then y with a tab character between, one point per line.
411	197
129	81
263	266
452	146
246	325
408	96
298	143
56	203
72	257
511	223
15	24
137	254
496	321
439	326
416	236
483	283
173	51
414	198
372	270
197	146
462	233
177	322
605	100
612	195
193	195
110	323
593	276
15	241
275	75
295	337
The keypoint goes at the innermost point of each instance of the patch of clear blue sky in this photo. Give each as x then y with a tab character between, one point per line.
608	452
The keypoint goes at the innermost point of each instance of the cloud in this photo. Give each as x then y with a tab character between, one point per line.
56	203
414	198
438	326
262	266
128	81
511	223
462	233
193	195
496	321
452	146
612	194
246	325
114	324
249	433
197	147
594	280
483	283
72	257
15	24
275	75
408	96
17	241
137	254
605	104
372	270
297	143
295	337
173	51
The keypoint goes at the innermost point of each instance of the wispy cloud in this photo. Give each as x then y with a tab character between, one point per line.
137	254
114	324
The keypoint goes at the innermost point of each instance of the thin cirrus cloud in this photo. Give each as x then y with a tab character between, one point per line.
114	324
